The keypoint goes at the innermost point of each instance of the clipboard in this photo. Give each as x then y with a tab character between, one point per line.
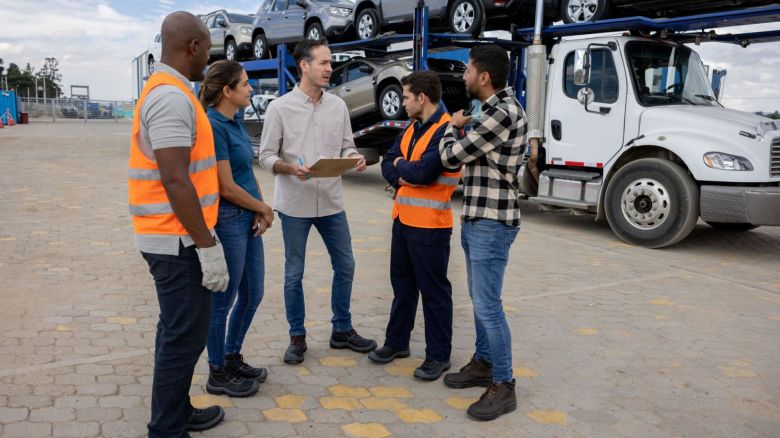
331	167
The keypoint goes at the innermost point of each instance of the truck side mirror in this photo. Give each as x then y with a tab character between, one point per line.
581	67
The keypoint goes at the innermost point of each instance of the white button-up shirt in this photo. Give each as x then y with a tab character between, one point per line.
295	131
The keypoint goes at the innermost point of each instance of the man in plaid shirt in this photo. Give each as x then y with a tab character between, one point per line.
491	154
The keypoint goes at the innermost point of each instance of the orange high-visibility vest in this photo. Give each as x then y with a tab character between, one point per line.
429	206
150	207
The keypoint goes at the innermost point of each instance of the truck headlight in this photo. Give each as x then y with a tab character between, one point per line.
246	30
409	65
721	161
339	12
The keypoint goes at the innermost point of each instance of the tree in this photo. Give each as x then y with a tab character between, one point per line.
20	80
51	72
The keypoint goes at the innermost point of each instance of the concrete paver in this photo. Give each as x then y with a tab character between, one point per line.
609	340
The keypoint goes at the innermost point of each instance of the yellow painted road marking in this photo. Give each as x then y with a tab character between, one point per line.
336	361
427	416
205	400
64	328
382	404
349	391
548	417
391	392
740	363
303	371
366	430
586	331
287	415
121	320
461	403
737	372
100	243
662	302
524	372
345	403
400	371
290	401
198	379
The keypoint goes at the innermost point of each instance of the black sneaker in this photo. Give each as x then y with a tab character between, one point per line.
387	354
294	353
351	340
431	369
236	365
498	399
475	373
222	381
203	419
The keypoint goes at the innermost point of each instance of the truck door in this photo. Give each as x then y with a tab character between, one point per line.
397	10
292	22
581	138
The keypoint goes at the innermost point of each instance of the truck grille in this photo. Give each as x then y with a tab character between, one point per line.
774	158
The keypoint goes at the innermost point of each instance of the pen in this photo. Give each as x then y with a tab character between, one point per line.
300	161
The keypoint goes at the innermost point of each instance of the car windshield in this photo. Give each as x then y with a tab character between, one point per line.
238	18
665	74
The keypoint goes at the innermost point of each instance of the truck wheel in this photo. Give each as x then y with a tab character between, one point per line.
390	99
367	24
466	17
725	226
652	203
581	11
231	51
260	46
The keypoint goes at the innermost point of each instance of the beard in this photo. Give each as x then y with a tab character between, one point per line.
471	93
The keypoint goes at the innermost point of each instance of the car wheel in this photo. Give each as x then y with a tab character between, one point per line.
231	51
367	24
652	203
150	65
724	226
314	32
581	11
260	46
466	17
390	99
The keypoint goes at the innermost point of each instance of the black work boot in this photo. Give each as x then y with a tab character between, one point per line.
203	419
222	381
431	369
498	399
475	373
235	364
351	340
387	354
294	353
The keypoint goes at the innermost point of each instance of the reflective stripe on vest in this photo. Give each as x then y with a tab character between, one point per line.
429	206
149	205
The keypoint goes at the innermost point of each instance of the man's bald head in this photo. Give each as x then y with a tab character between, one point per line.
185	44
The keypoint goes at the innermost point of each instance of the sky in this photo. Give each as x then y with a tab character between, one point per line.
96	41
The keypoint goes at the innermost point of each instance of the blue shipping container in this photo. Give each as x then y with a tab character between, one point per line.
8	105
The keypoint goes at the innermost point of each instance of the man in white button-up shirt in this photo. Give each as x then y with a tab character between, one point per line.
300	127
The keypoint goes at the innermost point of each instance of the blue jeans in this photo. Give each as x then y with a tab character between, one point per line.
486	243
244	257
181	337
334	231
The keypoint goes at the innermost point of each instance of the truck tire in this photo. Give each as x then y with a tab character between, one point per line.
231	50
367	24
652	203
724	226
260	46
390	103
582	11
466	17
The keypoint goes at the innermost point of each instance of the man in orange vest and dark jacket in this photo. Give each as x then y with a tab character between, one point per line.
422	227
173	196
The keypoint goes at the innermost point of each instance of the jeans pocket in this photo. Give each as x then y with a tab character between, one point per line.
226	214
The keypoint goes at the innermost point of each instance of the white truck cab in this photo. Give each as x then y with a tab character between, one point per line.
634	133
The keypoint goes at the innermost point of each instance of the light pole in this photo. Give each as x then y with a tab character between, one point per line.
36	88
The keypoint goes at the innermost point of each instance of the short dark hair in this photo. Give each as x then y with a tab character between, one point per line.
492	59
426	82
303	50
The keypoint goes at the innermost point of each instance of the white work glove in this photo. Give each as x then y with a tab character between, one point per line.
214	268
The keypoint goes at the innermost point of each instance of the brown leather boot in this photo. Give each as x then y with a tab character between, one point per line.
475	373
498	399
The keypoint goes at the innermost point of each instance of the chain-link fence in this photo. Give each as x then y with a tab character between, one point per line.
76	109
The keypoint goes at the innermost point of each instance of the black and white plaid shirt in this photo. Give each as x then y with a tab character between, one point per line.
491	154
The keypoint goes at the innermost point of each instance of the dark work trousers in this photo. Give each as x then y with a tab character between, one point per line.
185	307
418	265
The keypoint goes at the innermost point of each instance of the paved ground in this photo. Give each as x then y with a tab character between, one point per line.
609	340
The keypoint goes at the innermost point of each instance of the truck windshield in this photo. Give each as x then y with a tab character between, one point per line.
665	74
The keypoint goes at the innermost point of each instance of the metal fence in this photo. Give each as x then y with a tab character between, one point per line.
76	109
